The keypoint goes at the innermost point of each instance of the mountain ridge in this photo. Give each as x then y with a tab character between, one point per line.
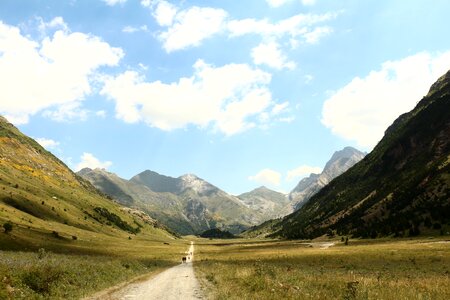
339	162
401	187
187	204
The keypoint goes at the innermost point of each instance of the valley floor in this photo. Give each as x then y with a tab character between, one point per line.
236	269
363	269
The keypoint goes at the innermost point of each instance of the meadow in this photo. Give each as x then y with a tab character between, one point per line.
363	269
62	268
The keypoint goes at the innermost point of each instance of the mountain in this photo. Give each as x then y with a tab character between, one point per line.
402	187
186	204
157	182
340	162
163	206
48	204
267	203
216	234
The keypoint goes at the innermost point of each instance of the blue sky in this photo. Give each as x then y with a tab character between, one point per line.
240	93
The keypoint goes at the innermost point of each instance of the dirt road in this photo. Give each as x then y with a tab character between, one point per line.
177	283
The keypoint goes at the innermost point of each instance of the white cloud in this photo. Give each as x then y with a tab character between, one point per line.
101	114
57	22
308	2
57	71
146	3
229	98
67	111
365	107
279	108
90	161
277	3
164	13
114	2
131	29
47	143
300	25
190	27
302	171
308	78
316	34
267	177
271	55
286	119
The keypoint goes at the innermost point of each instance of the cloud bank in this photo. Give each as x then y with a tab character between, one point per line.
56	71
228	98
363	109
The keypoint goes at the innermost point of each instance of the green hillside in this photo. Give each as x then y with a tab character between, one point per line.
401	188
49	205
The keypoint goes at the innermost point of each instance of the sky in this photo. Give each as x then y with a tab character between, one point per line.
240	93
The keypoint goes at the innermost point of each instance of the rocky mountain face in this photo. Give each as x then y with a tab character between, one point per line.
189	204
186	204
340	162
402	187
269	204
40	195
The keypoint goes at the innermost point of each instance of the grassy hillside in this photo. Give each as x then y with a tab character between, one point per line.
402	187
56	228
40	194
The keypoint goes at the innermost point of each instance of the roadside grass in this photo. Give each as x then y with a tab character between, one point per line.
27	275
375	269
70	269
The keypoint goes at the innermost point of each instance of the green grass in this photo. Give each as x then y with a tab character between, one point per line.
44	275
70	269
384	269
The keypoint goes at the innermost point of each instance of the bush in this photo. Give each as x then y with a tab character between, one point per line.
41	253
8	227
42	280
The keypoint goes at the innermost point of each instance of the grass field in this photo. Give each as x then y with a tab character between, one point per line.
70	269
364	269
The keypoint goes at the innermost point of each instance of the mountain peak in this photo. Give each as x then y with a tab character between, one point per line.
189	176
346	153
157	182
339	162
440	84
84	171
198	185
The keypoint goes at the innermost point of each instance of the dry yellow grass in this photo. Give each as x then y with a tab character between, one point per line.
381	269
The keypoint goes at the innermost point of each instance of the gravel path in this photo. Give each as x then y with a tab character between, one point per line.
178	282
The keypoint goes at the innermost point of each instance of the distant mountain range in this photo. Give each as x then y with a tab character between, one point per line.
191	205
401	188
187	204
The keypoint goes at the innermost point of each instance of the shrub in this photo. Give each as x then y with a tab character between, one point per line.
41	253
42	280
8	227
